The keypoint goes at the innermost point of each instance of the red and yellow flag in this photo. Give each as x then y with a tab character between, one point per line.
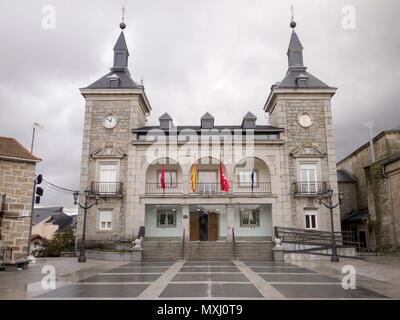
193	178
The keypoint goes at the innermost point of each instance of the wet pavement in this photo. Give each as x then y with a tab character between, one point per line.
206	280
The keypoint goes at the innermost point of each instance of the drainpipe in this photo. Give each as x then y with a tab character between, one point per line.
395	242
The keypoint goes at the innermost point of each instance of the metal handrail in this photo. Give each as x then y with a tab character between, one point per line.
249	187
106	188
234	243
314	237
155	188
310	187
183	244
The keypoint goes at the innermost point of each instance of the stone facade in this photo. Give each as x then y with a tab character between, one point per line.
282	148
373	191
16	182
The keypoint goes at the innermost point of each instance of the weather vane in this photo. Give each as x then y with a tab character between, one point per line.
122	25
292	22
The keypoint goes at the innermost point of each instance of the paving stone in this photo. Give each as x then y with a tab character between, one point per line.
231	290
216	277
266	263
186	290
138	270
122	278
281	269
96	291
209	263
148	264
211	290
323	291
297	278
209	269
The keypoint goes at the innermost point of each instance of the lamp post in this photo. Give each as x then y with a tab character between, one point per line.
85	207
330	206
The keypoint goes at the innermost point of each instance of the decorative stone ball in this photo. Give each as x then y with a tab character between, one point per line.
137	243
292	24
277	241
122	25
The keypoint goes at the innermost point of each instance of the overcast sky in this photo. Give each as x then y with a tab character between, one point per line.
194	56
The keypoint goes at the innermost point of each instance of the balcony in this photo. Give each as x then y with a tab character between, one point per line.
107	188
247	187
207	188
310	188
155	188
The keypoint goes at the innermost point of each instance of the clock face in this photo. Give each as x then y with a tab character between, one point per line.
305	120
110	121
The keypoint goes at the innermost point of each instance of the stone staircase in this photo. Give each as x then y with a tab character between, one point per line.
209	250
161	250
254	250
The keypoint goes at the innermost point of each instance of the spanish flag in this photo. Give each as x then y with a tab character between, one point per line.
193	178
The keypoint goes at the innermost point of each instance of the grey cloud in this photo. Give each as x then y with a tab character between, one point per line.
194	56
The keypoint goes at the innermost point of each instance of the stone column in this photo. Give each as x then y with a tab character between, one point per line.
185	221
230	220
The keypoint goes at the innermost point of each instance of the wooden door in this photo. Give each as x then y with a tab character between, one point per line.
212	226
194	226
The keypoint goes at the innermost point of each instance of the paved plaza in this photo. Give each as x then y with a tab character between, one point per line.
193	280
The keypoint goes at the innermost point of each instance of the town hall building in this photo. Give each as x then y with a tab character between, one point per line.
168	179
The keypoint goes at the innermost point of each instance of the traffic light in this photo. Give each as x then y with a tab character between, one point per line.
39	190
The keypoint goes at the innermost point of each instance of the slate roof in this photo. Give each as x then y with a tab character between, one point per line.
125	80
297	69
165	116
40	214
56	215
343	176
258	128
289	81
356	216
207	116
11	148
250	116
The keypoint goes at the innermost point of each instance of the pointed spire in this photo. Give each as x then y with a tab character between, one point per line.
295	50
121	52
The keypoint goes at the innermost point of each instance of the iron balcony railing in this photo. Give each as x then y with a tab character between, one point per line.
155	188
310	187
116	244
207	188
107	188
314	237
248	187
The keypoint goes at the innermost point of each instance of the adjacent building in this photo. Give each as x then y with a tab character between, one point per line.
167	178
372	192
17	174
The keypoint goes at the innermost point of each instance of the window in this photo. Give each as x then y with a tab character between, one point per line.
170	179
105	220
308	178
108	178
245	178
166	218
249	217
207	182
311	219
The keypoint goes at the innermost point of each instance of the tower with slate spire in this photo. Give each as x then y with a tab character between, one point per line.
301	104
115	104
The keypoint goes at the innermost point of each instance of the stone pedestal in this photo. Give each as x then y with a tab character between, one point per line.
279	253
136	254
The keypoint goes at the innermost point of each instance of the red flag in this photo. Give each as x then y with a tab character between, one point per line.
224	182
163	178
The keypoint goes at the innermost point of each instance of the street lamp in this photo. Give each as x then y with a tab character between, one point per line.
85	207
330	206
